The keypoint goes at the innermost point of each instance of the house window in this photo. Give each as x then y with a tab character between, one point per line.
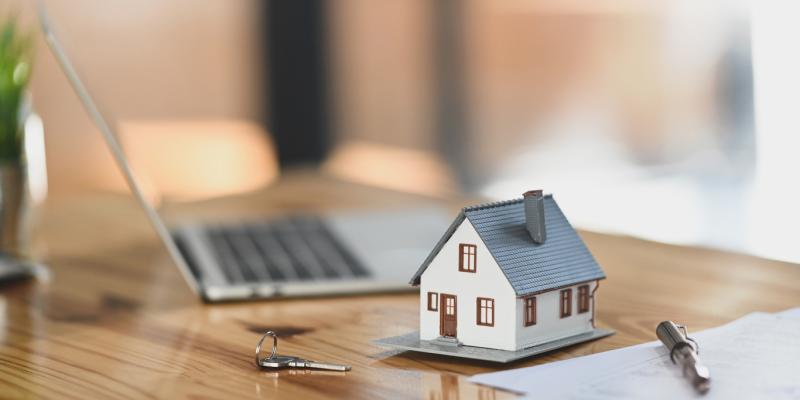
450	305
467	254
485	311
583	299
566	303
530	311
433	301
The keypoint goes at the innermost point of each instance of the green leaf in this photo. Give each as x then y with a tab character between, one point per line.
15	73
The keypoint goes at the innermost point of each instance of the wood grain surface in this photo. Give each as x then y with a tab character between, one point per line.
115	321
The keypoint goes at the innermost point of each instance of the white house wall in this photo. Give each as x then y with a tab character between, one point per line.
549	324
443	276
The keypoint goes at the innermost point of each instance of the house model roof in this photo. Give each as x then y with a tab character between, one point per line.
562	260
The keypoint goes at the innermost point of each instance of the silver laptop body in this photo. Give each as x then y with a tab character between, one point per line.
301	255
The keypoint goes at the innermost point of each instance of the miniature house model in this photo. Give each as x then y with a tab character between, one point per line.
508	276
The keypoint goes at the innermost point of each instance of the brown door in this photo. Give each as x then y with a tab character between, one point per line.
447	315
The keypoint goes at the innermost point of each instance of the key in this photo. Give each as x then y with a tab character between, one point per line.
277	361
302	363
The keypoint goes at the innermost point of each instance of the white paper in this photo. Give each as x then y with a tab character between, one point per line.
757	356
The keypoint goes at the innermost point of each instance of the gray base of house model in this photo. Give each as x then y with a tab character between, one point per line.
411	341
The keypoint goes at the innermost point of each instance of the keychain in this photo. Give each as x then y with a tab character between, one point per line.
277	361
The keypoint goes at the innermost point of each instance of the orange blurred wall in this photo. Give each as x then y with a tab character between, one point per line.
145	60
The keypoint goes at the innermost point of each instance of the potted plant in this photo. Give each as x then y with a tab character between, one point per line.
15	72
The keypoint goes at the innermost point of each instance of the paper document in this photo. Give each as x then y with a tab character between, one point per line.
753	357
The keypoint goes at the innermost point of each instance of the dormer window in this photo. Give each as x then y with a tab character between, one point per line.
467	257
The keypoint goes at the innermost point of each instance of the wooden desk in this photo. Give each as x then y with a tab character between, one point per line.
116	321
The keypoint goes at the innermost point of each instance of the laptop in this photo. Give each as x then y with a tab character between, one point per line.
302	255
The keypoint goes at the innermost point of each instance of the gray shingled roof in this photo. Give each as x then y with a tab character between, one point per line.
562	260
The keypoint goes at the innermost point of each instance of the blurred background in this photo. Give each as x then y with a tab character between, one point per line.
672	121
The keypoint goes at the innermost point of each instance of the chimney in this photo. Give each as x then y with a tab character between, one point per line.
534	215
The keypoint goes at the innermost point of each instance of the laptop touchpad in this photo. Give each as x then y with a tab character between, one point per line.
392	244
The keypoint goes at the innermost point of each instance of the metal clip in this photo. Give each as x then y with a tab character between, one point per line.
695	346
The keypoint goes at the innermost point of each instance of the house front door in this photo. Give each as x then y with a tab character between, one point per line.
447	315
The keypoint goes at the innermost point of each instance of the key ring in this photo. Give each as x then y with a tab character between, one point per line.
274	347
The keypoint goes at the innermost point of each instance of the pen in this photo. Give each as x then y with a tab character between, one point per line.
683	351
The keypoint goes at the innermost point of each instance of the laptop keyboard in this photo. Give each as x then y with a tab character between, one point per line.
286	249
